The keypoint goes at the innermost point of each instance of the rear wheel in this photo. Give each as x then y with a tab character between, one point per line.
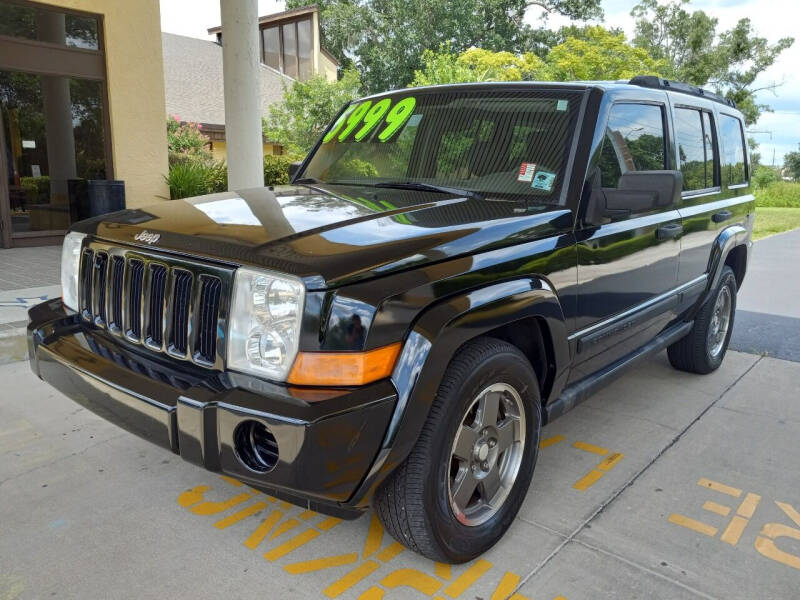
461	487
704	348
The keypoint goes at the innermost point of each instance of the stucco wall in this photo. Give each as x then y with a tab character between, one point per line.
219	150
135	76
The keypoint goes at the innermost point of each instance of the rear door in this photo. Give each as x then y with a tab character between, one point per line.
628	266
710	147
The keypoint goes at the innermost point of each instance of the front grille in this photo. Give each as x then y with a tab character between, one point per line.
171	306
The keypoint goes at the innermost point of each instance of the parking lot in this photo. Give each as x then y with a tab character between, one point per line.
664	485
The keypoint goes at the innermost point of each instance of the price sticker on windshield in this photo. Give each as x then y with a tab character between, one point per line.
359	121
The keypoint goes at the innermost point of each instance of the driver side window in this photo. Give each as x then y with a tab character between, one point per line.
634	141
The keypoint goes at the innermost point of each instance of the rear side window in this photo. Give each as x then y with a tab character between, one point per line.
694	135
734	169
634	141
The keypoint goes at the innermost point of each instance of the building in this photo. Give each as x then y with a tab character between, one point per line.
290	51
81	98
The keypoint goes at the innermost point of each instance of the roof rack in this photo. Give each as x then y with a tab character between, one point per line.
651	81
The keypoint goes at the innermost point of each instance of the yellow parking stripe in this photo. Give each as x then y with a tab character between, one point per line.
328	523
588	480
231	480
719	509
310	566
306	515
213	508
374	537
241	515
590	448
284	527
507	584
339	587
442	571
734	530
390	552
609	462
748	505
412	578
692	524
720	487
263	529
551	441
467	578
292	545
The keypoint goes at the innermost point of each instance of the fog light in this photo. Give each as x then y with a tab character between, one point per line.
255	446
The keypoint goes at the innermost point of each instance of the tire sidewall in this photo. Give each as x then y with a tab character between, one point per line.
726	280
458	541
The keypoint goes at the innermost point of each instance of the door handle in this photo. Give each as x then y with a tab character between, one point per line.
669	232
721	216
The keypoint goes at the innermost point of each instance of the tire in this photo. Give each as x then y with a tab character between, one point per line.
697	353
417	504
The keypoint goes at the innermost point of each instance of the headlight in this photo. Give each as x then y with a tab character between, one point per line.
264	323
70	268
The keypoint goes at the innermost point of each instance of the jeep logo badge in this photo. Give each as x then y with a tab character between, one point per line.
147	237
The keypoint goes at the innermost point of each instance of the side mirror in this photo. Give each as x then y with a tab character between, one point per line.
294	168
636	192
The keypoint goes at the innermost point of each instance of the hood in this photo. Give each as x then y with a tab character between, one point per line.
328	236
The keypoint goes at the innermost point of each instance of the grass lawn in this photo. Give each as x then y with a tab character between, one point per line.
774	220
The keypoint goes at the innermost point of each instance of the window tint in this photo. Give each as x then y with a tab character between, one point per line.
634	142
304	43
734	170
272	47
695	138
290	50
33	23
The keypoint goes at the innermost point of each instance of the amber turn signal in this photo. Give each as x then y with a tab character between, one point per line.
344	368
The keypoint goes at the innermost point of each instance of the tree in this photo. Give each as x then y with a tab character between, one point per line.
600	55
597	54
477	64
386	39
791	163
306	109
694	52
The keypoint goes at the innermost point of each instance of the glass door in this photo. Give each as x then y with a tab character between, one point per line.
53	118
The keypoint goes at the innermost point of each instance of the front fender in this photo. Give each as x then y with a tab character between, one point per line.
436	337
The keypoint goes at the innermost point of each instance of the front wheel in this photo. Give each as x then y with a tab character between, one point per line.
461	487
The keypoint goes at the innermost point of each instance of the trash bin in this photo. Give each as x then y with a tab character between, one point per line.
95	197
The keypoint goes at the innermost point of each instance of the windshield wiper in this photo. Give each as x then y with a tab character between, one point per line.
428	187
307	180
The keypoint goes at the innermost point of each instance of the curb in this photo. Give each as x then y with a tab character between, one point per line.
13	342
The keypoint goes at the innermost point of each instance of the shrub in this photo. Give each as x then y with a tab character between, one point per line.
276	168
196	177
186	140
779	194
37	189
764	175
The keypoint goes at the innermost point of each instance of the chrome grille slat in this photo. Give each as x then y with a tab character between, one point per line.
207	320
167	305
179	328
117	274
87	273
99	288
155	295
135	288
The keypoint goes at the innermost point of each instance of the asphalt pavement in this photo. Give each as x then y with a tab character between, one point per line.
768	305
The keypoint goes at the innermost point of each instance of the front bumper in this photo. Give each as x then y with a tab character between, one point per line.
327	438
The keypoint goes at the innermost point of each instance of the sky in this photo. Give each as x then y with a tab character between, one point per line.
772	19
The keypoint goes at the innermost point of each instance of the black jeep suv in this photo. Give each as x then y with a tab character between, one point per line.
452	268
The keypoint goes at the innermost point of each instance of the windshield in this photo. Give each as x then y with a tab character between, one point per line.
497	144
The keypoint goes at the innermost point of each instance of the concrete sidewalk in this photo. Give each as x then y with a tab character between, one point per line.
663	485
28	276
